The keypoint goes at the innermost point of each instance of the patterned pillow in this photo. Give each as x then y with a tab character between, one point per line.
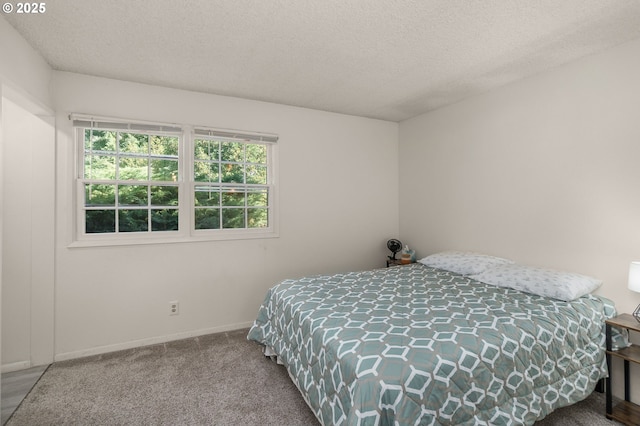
463	262
565	286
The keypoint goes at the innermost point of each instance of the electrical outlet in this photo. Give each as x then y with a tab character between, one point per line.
174	308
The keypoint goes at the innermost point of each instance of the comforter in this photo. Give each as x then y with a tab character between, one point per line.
413	345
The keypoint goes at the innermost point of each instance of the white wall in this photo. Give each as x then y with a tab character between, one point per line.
544	171
28	264
1	226
338	181
16	259
338	205
22	67
24	92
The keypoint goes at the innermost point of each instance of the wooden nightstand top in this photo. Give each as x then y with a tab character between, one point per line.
626	321
397	262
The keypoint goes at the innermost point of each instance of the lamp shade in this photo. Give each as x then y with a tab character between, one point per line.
634	276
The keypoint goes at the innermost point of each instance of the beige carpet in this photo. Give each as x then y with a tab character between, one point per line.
219	379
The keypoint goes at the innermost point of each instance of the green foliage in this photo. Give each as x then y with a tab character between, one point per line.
164	170
100	167
99	195
111	156
134	143
257	174
224	162
138	156
230	162
151	164
131	168
164	145
232	152
133	220
100	140
258	218
164	220
207	218
257	198
233	198
206	172
232	173
133	195
233	218
100	221
257	153
205	149
207	196
164	195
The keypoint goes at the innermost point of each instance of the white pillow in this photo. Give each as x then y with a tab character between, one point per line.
463	262
565	286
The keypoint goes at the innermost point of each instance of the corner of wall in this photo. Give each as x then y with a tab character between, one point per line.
25	71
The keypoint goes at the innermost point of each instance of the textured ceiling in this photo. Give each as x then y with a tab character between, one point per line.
387	59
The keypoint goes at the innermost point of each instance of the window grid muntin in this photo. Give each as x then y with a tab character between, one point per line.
220	190
185	137
118	205
117	154
215	144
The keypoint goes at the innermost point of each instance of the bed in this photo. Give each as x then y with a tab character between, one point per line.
420	345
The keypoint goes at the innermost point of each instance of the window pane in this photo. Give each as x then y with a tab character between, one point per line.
99	195
257	154
164	170
133	220
134	143
133	168
164	145
206	196
257	174
233	198
233	218
164	220
258	218
130	182
206	172
99	221
207	219
99	140
257	197
164	195
132	195
232	151
206	150
232	173
100	167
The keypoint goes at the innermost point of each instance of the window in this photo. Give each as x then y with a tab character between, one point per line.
130	182
149	182
231	185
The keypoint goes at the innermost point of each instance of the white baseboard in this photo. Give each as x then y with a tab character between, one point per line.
146	342
16	366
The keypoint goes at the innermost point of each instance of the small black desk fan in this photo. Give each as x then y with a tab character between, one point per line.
395	246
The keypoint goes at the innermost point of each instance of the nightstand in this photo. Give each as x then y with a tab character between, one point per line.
394	262
626	411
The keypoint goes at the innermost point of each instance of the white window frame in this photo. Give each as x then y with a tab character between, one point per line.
186	183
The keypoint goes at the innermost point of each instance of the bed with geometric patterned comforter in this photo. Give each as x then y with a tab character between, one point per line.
414	345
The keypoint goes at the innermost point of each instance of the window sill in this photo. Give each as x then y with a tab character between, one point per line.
198	236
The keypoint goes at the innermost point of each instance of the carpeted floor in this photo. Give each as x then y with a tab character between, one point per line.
219	379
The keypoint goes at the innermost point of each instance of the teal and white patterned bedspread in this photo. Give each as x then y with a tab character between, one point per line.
413	345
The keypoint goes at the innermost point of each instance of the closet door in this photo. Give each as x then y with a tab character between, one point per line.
28	201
